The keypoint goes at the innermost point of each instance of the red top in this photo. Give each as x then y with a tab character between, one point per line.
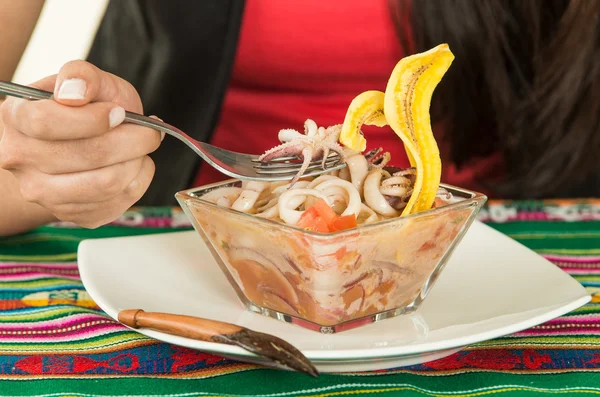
309	59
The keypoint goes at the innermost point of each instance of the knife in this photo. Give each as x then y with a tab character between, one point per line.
280	353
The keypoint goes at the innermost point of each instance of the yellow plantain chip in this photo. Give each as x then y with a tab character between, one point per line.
406	107
366	108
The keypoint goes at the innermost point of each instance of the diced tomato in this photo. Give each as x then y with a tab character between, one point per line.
307	218
312	221
325	211
321	218
343	223
320	226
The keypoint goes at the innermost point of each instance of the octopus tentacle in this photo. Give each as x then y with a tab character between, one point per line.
307	153
325	154
373	154
396	180
405	172
394	190
288	135
315	142
336	147
285	149
397	186
310	128
382	160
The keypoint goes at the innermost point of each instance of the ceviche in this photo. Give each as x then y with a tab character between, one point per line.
351	246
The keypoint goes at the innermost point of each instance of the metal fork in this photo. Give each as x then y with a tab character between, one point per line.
235	165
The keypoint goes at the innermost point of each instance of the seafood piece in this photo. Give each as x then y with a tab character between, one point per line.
358	168
246	201
270	210
249	196
223	196
288	202
316	143
371	215
373	197
344	174
353	204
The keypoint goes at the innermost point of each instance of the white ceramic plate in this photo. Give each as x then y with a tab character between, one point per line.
492	286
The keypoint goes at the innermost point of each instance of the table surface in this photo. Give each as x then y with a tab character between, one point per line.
54	341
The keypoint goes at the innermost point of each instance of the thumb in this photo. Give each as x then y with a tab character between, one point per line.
79	83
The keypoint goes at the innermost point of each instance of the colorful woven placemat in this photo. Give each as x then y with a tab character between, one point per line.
54	341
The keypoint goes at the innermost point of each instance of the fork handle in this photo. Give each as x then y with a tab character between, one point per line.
33	94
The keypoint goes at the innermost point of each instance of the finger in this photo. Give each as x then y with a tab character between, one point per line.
121	144
79	83
10	103
126	142
46	84
138	186
92	215
81	187
49	120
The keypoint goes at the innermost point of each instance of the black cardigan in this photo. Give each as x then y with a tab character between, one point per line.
178	54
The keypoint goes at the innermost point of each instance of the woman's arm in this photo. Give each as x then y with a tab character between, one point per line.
17	20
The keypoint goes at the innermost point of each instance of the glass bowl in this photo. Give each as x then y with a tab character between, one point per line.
335	281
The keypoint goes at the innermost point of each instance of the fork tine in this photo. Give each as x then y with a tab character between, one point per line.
293	170
294	166
276	160
288	160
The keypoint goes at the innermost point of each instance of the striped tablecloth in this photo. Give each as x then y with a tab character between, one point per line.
54	341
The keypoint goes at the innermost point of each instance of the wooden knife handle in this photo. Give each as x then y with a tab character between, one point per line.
176	324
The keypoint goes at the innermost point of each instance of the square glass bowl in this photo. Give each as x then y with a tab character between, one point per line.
336	281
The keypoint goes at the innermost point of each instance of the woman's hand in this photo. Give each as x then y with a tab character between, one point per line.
72	155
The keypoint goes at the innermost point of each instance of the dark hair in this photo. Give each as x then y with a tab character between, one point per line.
525	82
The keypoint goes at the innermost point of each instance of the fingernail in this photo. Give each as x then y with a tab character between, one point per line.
72	89
162	133
116	116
